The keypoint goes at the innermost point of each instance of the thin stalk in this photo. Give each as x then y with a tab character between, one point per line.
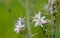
53	26
28	19
53	21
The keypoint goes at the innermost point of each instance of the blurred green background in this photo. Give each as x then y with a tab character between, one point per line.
11	10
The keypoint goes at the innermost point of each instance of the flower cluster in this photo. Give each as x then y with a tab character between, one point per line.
19	25
38	19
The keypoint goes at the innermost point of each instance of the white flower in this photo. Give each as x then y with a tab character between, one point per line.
19	25
39	20
46	7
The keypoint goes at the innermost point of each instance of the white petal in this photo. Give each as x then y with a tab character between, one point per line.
37	16
41	25
21	19
42	17
19	22
36	24
39	12
22	26
17	26
17	31
35	19
44	21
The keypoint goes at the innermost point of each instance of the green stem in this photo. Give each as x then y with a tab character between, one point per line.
28	19
53	22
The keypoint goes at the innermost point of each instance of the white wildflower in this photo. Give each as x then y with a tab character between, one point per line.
46	7
19	25
39	20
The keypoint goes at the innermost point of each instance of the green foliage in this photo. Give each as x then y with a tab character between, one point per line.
11	10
